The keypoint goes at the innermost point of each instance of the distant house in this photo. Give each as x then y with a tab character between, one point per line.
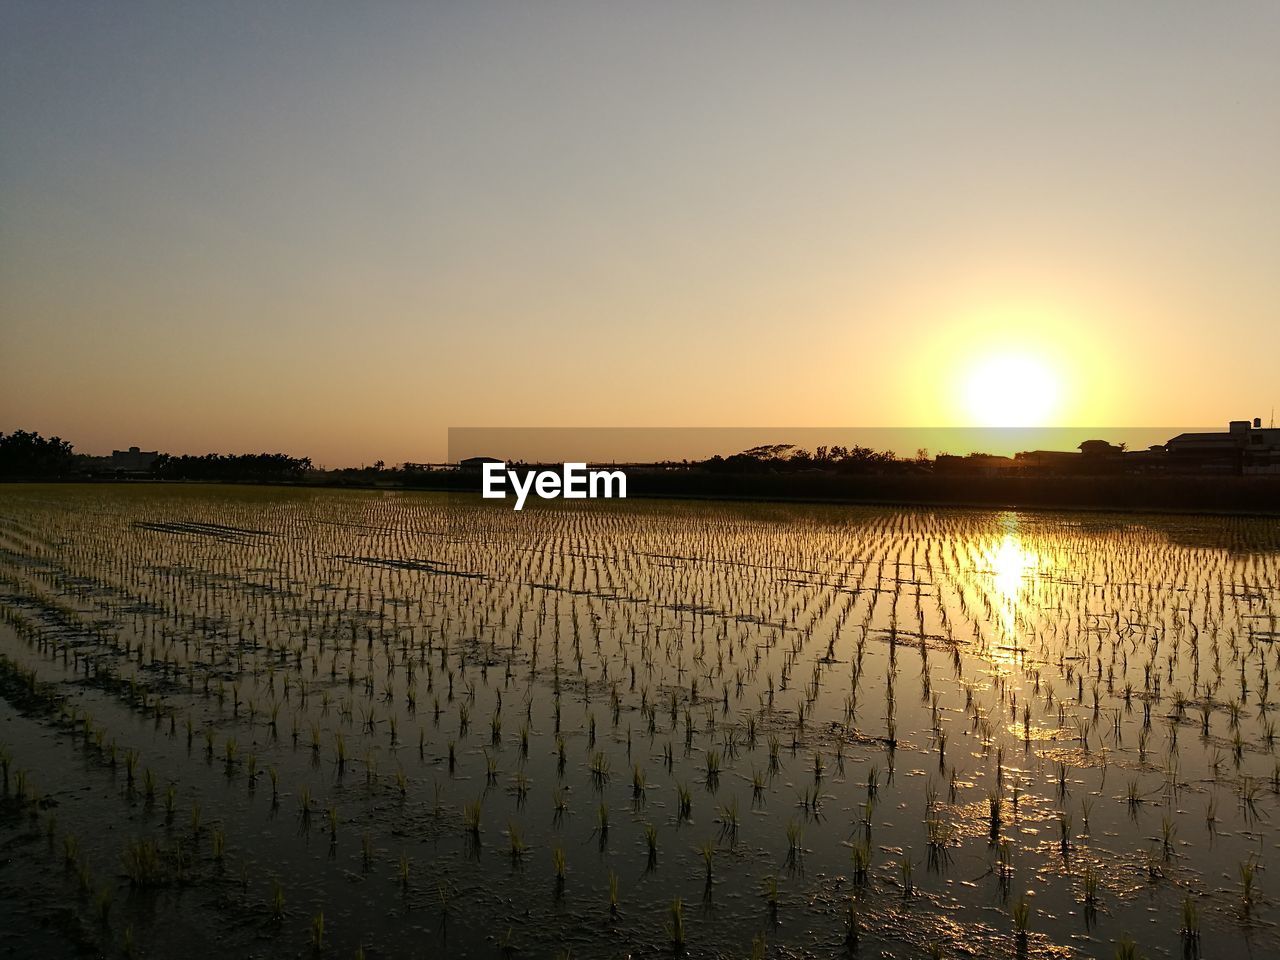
1100	448
1048	460
476	464
1094	458
975	464
1244	448
132	460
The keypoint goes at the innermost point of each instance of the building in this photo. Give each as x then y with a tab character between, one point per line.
1090	458
132	460
975	464
1100	448
476	464
1245	447
1055	462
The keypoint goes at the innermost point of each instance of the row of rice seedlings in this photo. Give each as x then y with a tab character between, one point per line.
694	698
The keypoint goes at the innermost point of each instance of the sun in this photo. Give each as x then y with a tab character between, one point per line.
1011	390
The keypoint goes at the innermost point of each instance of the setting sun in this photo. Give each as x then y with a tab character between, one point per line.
1011	390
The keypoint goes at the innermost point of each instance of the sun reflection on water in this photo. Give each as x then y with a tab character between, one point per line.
1011	565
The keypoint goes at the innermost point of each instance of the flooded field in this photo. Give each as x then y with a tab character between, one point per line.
283	722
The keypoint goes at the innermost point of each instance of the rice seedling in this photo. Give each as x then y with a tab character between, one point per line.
471	816
712	766
811	801
70	850
141	860
442	895
939	835
708	852
1190	928
851	924
795	836
675	925
102	905
1004	860
1250	793
729	820
1134	793
1248	873
861	856
1021	919
516	839
1154	871
1168	835
684	801
1089	881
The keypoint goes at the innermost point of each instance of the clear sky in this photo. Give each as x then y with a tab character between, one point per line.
337	229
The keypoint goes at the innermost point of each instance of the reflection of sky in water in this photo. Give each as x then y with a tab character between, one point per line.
415	579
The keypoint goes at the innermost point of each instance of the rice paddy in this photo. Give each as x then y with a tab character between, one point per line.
284	722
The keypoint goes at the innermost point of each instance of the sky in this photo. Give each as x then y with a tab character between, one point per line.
338	230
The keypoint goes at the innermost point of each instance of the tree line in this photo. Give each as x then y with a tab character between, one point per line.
787	458
260	467
25	455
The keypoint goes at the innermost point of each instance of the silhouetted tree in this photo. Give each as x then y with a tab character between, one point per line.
252	467
783	457
24	454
